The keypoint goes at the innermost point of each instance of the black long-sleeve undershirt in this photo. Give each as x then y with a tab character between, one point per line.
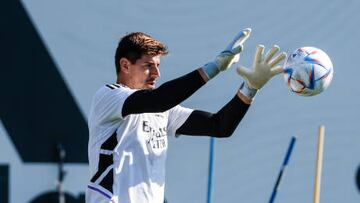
165	97
221	124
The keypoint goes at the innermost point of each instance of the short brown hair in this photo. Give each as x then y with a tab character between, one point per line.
134	45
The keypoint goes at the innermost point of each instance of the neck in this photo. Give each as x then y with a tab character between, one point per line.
123	82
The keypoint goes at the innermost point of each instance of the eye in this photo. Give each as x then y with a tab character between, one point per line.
293	55
148	66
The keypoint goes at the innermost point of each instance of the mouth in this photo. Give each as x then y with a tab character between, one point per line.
151	82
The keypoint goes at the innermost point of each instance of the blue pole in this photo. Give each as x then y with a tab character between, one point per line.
285	163
211	169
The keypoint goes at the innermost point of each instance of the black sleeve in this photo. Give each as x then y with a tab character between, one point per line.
221	124
164	97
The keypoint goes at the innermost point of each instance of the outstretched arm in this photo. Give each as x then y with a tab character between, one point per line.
175	91
221	124
225	121
164	97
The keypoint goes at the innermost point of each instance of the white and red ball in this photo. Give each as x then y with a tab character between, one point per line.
308	71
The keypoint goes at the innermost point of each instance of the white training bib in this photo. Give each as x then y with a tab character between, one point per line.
127	155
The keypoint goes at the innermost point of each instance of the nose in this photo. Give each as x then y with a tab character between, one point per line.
155	71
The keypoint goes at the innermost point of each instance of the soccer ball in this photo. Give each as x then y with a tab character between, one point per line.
308	71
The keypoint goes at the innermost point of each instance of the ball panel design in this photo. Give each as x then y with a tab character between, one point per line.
308	71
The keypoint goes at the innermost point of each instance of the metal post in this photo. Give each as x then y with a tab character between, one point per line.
282	170
211	169
61	172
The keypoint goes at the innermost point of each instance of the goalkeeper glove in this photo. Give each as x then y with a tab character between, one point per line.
264	67
229	56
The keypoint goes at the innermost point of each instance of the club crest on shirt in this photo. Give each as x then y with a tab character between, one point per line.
159	115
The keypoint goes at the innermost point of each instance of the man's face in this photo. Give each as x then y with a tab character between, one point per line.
143	74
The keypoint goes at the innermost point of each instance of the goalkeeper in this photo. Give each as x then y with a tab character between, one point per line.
130	120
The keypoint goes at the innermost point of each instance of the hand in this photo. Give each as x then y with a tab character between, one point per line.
232	52
229	56
264	68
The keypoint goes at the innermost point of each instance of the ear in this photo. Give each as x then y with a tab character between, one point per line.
124	65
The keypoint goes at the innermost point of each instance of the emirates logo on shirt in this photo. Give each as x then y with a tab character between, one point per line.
157	139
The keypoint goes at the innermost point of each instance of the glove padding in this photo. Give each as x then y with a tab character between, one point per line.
264	68
229	56
232	52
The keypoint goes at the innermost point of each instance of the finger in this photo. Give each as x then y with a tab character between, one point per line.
278	59
237	44
242	71
238	49
271	53
235	59
276	70
244	35
258	53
